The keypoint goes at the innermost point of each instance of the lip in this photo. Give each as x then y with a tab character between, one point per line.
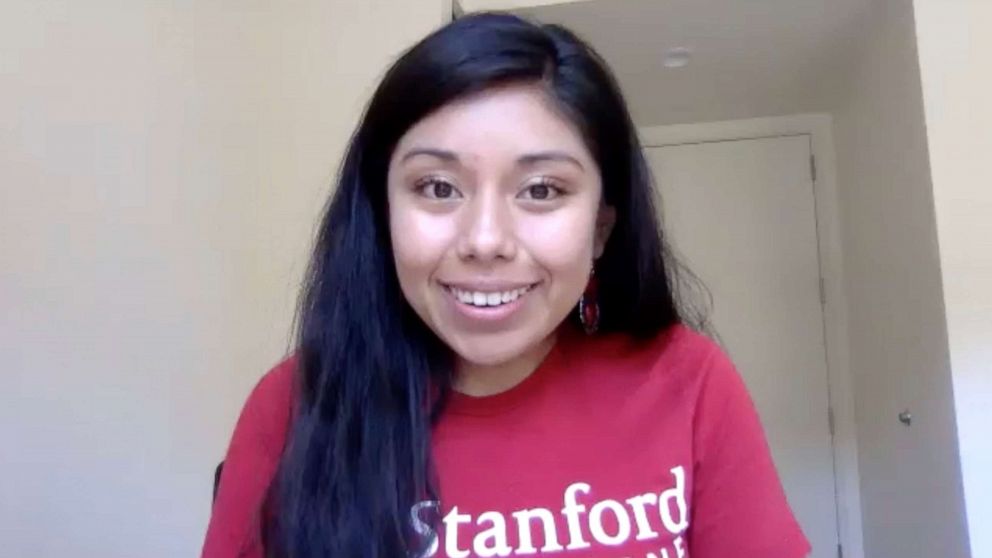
489	286
486	315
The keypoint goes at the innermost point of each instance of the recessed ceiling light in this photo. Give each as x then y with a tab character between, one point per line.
677	57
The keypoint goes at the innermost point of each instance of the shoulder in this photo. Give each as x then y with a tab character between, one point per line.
671	367
682	345
276	385
696	360
675	350
267	410
250	464
680	362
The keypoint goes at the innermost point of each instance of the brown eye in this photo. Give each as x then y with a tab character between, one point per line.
541	191
442	189
438	189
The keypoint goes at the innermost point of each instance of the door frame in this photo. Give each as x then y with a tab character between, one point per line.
819	128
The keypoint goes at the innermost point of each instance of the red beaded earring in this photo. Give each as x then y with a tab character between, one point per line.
589	305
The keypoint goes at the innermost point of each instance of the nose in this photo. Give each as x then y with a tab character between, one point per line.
487	231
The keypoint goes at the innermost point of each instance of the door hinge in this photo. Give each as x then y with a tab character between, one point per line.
812	167
830	420
823	291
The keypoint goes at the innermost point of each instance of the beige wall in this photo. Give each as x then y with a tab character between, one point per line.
955	46
469	6
910	476
161	167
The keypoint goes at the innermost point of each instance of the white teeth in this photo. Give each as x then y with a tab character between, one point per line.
478	298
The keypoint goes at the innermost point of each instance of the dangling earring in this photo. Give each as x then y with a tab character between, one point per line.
589	305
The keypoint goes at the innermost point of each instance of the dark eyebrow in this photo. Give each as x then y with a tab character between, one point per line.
444	155
523	160
533	158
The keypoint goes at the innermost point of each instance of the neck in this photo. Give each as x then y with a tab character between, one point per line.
481	380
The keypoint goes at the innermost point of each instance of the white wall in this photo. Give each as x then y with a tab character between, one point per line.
910	476
161	167
955	48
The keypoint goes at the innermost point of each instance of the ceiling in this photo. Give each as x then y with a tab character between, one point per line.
750	58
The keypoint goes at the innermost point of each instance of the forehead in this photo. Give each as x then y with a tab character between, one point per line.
507	120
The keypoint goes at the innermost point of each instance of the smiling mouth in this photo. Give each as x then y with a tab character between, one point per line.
487	299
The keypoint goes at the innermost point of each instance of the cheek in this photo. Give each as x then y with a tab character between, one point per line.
564	246
420	241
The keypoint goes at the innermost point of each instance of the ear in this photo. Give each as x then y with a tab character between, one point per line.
605	220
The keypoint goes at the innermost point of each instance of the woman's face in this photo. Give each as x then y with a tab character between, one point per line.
495	216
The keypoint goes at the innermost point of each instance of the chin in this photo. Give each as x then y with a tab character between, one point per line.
490	350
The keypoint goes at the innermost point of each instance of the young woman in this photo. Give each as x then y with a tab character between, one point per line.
491	358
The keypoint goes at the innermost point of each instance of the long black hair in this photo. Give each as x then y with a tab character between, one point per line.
371	377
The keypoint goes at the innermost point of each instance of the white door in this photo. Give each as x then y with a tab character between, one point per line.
741	213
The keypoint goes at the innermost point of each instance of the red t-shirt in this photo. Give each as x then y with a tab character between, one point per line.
611	448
